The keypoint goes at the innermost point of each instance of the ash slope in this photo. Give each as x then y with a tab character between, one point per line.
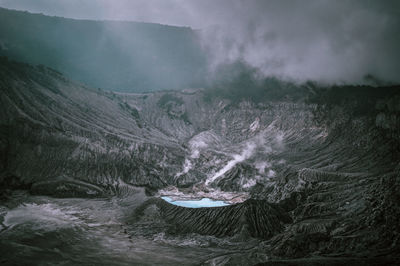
328	160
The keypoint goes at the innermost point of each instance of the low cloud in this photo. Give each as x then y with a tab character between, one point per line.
325	41
321	40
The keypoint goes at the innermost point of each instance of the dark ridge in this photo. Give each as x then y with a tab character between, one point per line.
365	100
116	55
238	81
326	261
67	189
252	218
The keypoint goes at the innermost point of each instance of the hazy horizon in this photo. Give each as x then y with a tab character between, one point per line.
327	42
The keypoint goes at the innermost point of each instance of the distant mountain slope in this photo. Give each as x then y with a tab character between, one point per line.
124	56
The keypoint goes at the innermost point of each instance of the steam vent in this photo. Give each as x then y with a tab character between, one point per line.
210	133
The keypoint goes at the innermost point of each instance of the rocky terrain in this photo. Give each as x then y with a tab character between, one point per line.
319	167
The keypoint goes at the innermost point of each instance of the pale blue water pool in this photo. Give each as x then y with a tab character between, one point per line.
204	202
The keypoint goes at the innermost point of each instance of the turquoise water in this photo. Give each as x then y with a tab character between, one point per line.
204	202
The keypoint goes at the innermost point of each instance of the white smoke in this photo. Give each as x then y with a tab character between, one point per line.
237	158
322	40
260	146
260	166
197	144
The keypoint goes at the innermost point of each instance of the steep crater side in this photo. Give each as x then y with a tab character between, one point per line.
251	218
329	164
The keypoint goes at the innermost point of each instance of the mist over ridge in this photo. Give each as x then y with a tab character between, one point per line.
212	132
321	41
115	55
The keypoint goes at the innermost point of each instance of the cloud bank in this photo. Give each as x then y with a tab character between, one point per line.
321	40
326	41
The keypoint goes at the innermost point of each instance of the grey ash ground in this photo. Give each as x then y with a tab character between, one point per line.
81	169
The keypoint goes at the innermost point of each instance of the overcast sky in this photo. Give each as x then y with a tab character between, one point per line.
323	40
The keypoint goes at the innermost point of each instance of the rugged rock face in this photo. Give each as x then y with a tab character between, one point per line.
252	218
89	135
322	170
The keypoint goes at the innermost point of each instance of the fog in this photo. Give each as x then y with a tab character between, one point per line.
324	41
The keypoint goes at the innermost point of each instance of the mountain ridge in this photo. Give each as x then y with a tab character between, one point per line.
130	56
